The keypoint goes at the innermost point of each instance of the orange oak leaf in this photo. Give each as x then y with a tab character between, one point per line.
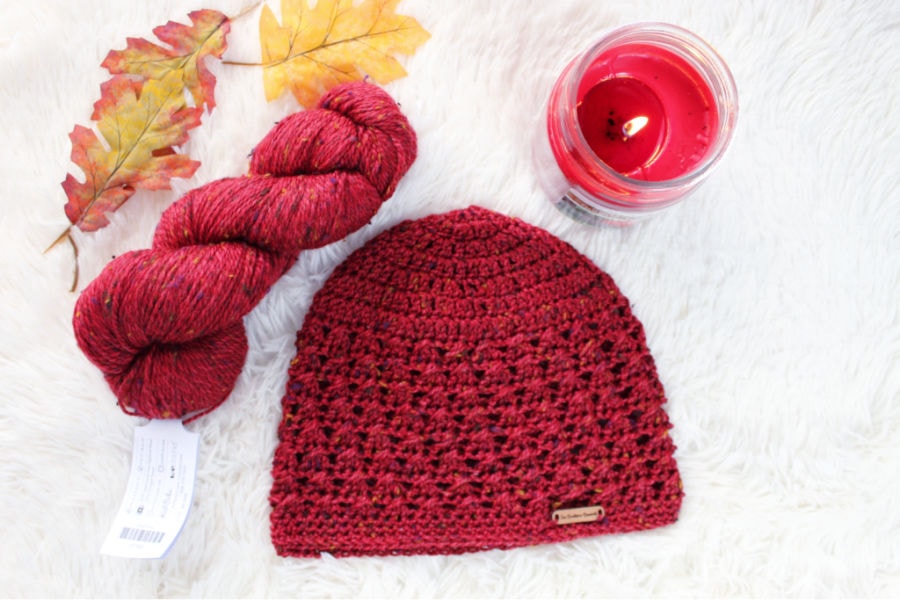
188	45
140	123
314	49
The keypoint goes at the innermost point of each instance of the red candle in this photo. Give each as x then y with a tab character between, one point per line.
646	112
637	121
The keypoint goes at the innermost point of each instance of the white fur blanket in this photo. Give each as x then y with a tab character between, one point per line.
770	301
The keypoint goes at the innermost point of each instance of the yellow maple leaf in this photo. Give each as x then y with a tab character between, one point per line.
314	49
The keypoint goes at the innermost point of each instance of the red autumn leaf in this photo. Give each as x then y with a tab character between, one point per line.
188	46
140	123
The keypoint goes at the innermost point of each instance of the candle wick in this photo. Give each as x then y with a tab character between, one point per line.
633	126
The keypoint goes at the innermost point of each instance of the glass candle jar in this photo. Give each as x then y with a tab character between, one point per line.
635	123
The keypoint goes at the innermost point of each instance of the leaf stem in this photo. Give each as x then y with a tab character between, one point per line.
246	11
75	274
59	240
237	63
67	235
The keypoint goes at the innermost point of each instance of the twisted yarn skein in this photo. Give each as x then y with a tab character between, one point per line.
165	325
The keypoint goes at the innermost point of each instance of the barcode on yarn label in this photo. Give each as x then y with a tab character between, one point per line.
141	535
159	492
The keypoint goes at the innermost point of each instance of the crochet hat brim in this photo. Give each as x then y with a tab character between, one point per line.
459	381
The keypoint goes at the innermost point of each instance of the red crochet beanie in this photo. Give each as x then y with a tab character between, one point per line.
465	382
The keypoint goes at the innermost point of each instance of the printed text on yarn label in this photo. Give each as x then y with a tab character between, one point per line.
159	492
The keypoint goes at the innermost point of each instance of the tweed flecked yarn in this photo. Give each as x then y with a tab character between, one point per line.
457	381
165	325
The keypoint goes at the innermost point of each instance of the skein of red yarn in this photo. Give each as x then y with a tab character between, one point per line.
165	325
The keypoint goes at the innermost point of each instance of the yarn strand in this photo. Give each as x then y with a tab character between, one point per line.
165	325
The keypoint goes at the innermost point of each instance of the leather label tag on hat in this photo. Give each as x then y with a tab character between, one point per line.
584	514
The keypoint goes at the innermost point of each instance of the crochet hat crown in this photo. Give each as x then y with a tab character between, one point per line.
464	382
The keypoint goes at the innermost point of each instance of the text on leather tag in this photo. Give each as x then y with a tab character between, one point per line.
583	514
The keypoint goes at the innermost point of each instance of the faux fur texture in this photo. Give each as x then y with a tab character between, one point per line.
770	301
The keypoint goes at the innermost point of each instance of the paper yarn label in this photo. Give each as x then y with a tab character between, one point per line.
159	492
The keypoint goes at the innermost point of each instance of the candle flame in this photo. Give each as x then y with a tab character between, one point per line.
633	126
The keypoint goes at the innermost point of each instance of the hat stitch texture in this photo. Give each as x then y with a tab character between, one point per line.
459	379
